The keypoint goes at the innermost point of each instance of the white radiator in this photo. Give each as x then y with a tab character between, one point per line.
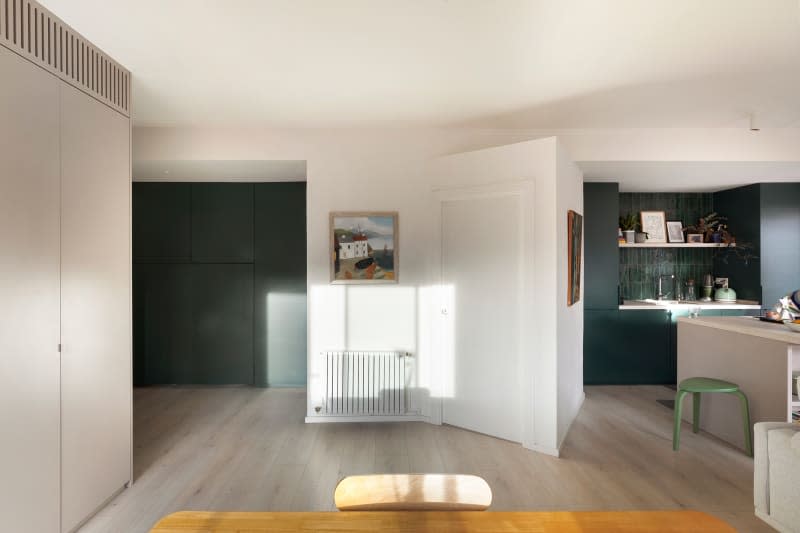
365	383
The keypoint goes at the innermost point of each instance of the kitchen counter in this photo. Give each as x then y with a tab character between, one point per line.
633	305
758	356
748	326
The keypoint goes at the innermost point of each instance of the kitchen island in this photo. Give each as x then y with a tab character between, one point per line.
758	356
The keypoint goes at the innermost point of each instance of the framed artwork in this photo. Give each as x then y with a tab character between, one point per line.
364	247
654	223
695	238
675	231
574	248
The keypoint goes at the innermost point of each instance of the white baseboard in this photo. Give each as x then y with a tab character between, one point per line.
544	449
771	521
328	419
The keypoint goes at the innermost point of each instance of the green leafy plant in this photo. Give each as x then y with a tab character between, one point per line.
629	222
709	225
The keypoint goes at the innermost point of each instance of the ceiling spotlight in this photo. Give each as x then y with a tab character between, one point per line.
754	126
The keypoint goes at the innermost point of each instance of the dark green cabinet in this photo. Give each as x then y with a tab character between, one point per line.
162	222
222	222
636	346
600	248
280	284
629	347
219	283
765	216
193	324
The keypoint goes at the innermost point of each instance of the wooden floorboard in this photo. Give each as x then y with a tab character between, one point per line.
247	449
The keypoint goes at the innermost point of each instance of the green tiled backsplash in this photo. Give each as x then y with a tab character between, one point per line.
639	268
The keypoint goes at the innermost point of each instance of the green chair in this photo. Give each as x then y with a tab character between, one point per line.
698	386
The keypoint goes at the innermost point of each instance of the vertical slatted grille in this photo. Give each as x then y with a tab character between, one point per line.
365	383
30	30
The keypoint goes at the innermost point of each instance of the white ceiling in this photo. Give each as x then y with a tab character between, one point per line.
521	64
687	176
219	170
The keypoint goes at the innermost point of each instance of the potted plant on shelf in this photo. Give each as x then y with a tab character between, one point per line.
629	223
713	227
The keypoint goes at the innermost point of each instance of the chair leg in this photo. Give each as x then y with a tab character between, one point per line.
748	440
676	431
695	412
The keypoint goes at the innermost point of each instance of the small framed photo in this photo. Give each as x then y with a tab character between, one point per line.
654	223
696	238
675	231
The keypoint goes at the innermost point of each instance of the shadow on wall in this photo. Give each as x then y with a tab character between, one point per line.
358	361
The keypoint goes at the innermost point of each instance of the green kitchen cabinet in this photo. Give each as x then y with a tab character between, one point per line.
600	346
629	347
600	246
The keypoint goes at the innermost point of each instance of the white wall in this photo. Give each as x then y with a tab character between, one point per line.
569	195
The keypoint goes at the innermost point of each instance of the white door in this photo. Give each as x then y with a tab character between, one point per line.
29	298
481	271
95	305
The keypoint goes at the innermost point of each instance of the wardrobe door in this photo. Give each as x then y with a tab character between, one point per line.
95	305
29	299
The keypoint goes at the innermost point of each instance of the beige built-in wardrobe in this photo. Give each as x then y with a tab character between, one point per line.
65	271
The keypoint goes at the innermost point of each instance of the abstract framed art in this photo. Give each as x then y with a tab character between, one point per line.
574	250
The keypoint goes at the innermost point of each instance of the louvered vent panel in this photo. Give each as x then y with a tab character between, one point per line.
35	33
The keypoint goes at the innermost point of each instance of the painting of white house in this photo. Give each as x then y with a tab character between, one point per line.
364	247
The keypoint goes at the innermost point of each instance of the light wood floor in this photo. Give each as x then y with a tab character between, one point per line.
248	449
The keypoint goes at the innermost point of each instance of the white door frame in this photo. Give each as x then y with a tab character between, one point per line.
524	189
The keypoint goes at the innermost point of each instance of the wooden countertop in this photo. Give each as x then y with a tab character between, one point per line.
746	326
444	522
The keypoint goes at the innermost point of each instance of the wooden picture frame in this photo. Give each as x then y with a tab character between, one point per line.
675	231
694	238
364	247
574	252
654	224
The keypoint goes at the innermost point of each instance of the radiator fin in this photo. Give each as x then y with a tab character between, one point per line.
365	383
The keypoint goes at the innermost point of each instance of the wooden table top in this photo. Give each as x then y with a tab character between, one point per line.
444	522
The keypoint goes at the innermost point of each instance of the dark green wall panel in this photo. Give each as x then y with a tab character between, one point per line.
780	240
280	284
222	222
222	325
162	226
219	283
742	207
163	323
601	252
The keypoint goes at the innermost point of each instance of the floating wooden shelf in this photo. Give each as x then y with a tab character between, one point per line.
676	245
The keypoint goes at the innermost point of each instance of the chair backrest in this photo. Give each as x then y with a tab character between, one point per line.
413	492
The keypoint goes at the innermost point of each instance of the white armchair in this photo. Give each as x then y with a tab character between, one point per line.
776	482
